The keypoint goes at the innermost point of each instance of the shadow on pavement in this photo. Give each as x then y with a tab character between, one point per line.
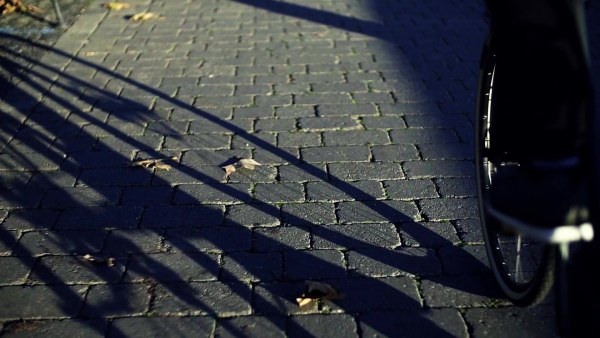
73	186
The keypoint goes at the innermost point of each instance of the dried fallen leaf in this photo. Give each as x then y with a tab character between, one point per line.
316	291
8	9
10	6
99	260
162	166
154	163
146	16
229	169
115	6
33	9
247	163
304	301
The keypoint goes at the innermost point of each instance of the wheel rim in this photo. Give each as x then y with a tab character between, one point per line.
518	263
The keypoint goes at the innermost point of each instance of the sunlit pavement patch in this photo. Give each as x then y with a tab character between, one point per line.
42	28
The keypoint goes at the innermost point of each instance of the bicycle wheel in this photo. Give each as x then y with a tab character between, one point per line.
522	267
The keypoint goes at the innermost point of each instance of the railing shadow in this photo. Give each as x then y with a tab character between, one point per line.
161	273
150	273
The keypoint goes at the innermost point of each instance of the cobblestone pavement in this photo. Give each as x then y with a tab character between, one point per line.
43	28
361	113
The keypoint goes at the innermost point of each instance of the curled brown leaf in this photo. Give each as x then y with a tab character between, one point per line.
10	6
316	291
154	163
229	169
246	163
304	301
146	16
115	6
34	9
162	166
110	261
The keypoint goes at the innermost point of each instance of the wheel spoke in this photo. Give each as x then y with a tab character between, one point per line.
518	268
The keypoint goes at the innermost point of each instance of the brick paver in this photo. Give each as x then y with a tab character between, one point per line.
361	113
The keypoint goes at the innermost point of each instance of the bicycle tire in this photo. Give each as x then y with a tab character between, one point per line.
525	277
